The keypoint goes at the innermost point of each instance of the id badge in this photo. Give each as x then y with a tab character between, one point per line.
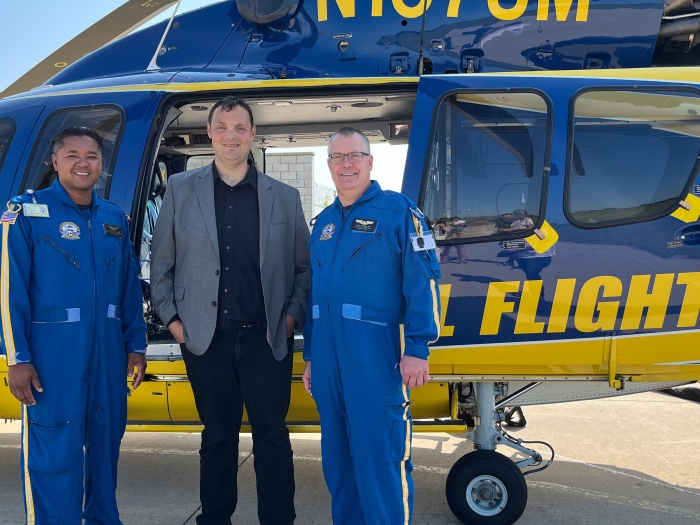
35	210
422	243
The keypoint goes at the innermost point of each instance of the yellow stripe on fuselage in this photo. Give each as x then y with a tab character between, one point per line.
192	87
28	496
5	298
689	75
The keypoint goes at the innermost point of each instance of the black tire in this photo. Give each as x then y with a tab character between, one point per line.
490	472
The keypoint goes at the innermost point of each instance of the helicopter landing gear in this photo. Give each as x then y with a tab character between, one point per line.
485	487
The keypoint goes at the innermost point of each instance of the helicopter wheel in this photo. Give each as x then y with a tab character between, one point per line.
486	488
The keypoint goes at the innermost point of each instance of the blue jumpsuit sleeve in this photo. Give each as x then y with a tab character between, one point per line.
14	285
133	325
421	272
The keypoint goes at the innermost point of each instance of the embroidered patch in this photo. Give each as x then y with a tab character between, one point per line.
69	231
112	230
364	226
327	232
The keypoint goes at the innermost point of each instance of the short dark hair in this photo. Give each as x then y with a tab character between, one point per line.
228	104
347	131
75	131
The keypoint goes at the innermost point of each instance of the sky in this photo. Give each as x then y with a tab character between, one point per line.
63	20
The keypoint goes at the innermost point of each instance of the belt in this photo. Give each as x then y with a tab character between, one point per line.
237	325
254	325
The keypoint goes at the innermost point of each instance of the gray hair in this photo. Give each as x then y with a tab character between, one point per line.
347	131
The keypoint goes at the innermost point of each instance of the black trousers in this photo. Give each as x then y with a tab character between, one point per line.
239	368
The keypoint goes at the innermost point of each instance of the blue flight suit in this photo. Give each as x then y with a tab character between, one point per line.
373	298
72	306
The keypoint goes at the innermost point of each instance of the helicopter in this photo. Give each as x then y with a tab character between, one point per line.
556	168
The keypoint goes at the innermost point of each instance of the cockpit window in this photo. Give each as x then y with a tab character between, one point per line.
7	131
488	156
632	157
106	120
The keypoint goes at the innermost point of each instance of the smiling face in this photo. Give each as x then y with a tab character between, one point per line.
351	179
231	136
79	163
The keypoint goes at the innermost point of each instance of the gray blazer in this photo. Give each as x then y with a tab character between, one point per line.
185	257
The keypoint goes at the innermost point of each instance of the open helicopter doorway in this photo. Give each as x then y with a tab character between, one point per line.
292	131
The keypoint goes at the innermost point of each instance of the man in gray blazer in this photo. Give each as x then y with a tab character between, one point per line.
230	276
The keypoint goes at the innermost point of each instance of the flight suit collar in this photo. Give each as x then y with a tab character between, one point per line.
370	193
62	195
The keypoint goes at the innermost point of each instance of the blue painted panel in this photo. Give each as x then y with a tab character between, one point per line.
307	46
24	122
619	252
193	40
622	32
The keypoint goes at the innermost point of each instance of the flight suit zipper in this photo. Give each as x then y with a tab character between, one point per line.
94	295
48	239
343	217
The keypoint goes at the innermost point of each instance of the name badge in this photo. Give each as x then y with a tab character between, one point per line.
364	226
35	210
422	243
112	230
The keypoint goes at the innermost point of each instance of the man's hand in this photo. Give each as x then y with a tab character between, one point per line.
21	378
290	325
306	377
138	361
414	371
178	330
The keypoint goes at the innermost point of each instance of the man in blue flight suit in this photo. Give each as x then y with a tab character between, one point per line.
72	329
373	309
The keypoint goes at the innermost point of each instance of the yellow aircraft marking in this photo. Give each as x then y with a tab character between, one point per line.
234	85
689	210
562	9
543	238
689	75
597	306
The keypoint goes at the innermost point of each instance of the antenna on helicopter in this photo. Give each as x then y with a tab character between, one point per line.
153	65
422	38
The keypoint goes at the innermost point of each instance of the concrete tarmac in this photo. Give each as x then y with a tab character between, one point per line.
628	461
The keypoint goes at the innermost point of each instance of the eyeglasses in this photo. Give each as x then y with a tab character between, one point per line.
339	158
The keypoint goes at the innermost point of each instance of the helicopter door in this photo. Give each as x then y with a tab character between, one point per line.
15	128
485	165
478	167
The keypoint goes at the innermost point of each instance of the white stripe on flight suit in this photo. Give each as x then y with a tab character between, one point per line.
28	497
407	451
5	298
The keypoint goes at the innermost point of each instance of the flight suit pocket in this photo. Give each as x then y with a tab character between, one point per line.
111	254
61	247
397	427
318	258
51	439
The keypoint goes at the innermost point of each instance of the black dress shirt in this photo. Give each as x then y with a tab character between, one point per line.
238	228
